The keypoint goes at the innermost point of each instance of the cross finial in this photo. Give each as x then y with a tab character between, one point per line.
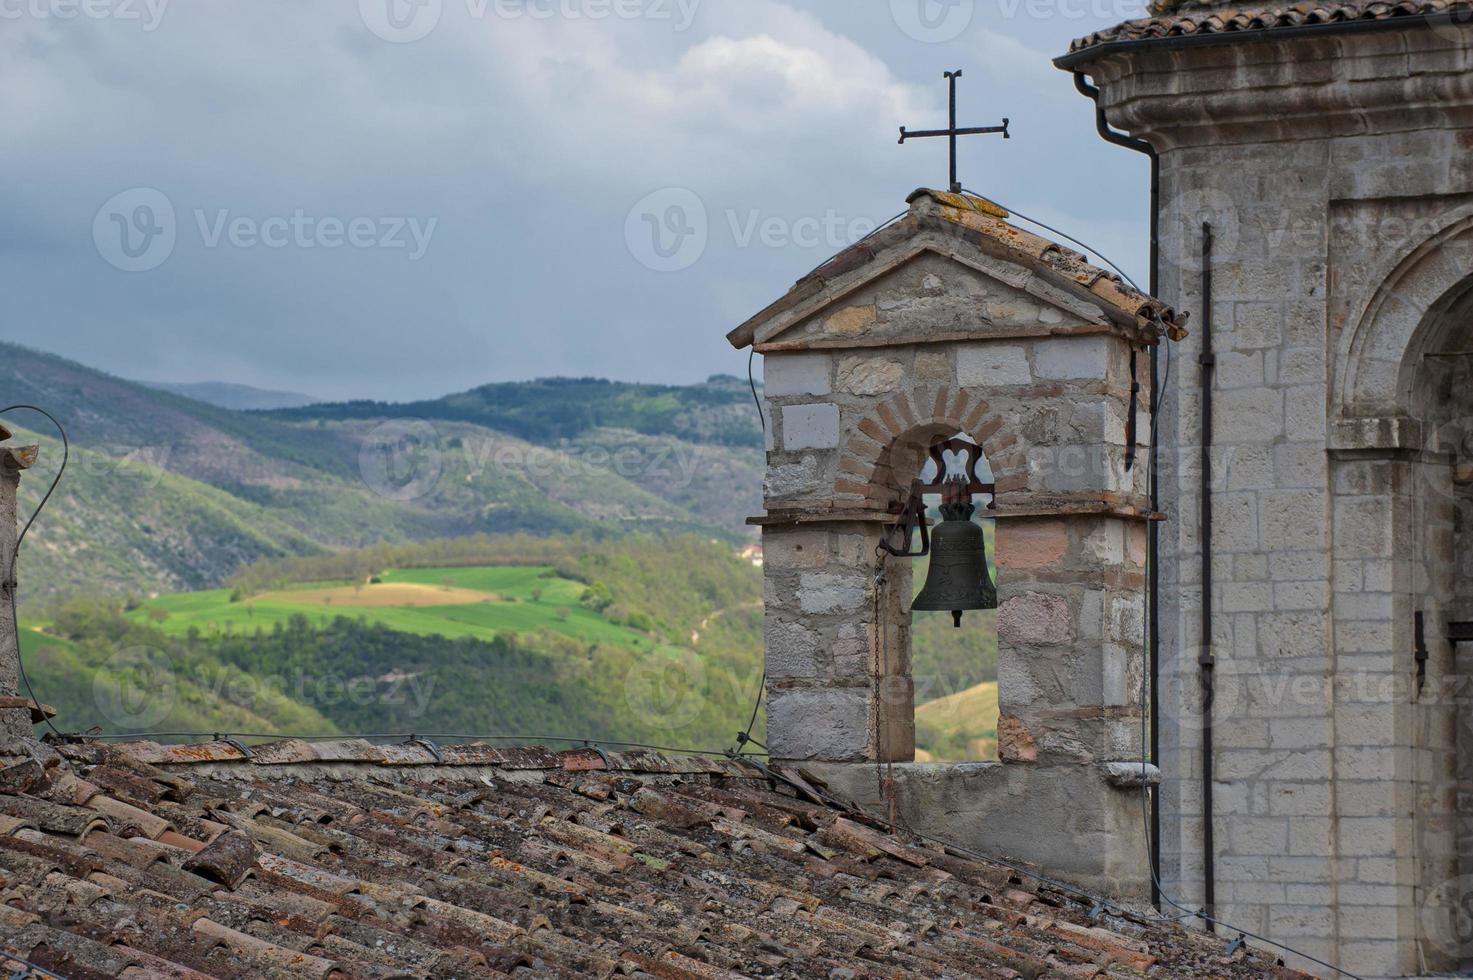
952	132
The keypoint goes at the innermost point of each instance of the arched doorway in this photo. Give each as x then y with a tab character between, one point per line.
1402	531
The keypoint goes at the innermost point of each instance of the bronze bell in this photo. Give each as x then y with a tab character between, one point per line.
958	578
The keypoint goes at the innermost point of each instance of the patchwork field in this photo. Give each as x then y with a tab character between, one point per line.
449	602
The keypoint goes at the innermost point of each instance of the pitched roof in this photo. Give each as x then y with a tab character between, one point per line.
348	859
976	224
1186	19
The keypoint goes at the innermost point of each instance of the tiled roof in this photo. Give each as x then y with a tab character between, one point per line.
1186	19
347	859
978	223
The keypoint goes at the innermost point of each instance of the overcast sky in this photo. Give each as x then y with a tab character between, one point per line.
402	198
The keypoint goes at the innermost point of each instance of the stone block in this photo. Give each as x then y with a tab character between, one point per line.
821	593
830	724
852	321
1031	544
1035	618
1071	358
792	650
811	426
992	365
804	373
865	374
794	479
934	365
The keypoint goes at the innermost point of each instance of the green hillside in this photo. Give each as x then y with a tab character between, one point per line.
958	727
600	642
169	494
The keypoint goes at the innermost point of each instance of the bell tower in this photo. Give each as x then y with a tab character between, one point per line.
953	324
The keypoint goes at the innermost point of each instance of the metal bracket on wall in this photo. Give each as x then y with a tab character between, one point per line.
1419	653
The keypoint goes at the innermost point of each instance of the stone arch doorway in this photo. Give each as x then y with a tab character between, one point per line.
1402	536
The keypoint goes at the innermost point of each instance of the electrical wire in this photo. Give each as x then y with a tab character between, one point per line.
8	957
433	736
10	581
745	735
1062	234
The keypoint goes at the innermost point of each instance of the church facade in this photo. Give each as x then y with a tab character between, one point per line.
1315	212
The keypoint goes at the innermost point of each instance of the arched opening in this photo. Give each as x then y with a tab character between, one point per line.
955	670
1403	541
1439	366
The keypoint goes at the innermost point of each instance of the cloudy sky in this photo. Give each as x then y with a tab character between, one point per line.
401	198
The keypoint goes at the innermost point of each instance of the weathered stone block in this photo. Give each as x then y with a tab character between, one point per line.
852	321
833	592
811	426
805	373
1035	617
992	365
864	374
1031	544
831	724
1071	358
792	650
793	479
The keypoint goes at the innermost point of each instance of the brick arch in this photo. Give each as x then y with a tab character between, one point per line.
883	450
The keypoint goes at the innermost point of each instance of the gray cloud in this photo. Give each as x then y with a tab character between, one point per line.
357	217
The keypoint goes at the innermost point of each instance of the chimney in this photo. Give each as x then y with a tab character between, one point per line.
13	720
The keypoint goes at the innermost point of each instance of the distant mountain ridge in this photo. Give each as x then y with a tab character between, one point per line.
167	492
238	397
719	410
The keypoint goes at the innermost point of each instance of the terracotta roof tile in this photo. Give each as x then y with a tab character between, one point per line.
358	860
1186	19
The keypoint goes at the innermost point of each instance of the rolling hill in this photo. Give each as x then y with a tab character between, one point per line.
225	394
167	493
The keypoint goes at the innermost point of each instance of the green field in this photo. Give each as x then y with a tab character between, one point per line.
517	599
594	638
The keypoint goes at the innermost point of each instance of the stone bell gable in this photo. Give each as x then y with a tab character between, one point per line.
954	322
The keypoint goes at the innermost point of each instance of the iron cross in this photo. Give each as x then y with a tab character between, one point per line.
953	132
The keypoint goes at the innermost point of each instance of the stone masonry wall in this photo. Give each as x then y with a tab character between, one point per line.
1325	168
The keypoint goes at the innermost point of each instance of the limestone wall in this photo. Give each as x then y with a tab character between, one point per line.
1337	177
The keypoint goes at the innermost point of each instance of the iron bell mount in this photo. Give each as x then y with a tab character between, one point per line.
958	579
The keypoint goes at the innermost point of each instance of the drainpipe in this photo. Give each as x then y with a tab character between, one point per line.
1205	659
1153	541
